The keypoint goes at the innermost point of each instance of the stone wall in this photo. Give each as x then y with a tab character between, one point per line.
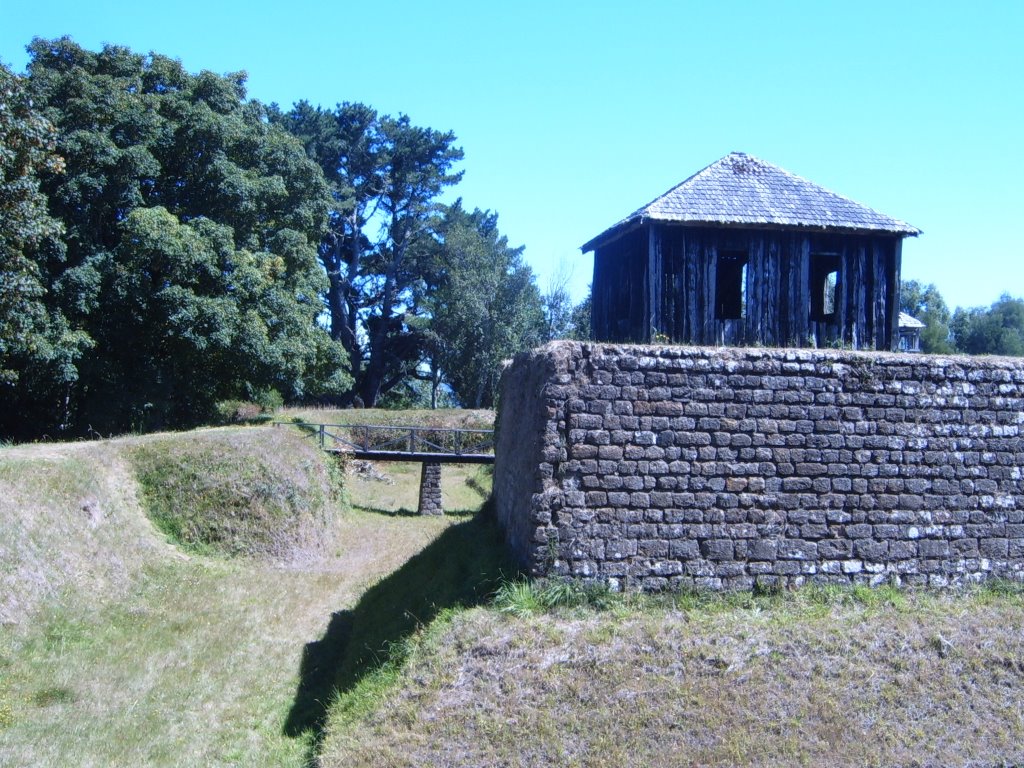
661	467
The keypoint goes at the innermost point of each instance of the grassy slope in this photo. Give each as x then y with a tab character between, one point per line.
71	525
225	490
806	679
122	650
138	654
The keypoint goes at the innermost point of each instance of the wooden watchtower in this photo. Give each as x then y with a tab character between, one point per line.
746	253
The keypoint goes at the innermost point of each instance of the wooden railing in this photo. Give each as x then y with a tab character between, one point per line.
426	444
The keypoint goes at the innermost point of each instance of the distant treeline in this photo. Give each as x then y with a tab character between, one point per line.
167	244
994	330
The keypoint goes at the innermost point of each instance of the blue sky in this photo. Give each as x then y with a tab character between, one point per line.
573	115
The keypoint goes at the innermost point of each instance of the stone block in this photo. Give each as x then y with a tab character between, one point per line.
762	549
933	548
794	549
835	549
994	548
868	549
717	549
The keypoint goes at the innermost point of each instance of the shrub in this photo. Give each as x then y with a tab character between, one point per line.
236	412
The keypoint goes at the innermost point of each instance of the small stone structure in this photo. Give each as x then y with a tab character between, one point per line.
660	467
430	489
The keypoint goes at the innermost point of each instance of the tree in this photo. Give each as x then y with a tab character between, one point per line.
925	303
998	330
37	348
191	230
558	308
386	176
579	322
484	305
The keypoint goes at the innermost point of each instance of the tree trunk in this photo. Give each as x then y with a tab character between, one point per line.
376	367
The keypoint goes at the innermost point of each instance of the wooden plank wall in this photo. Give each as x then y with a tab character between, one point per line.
619	289
662	280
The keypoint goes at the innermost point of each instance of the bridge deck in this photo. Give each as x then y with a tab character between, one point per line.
422	456
375	442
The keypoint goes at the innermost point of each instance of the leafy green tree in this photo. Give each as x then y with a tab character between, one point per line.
564	319
925	303
558	307
191	231
386	176
37	348
998	330
579	322
485	307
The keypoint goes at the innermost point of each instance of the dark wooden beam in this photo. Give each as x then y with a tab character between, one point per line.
653	287
434	458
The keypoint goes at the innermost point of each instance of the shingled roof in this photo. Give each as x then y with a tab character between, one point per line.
741	190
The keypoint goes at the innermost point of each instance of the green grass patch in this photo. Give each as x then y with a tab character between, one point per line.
60	694
461	568
364	650
201	662
814	676
128	653
237	492
522	598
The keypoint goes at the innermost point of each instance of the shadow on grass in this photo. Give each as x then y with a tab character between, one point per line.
406	512
462	567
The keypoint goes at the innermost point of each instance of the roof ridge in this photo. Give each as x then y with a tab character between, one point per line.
740	189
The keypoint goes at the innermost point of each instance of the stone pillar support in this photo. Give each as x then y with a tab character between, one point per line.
430	489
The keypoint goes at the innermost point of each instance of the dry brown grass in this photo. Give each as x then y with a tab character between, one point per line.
930	680
71	526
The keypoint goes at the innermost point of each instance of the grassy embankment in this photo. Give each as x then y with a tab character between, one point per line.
206	632
128	650
837	677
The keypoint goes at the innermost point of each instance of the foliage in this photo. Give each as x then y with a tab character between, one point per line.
247	411
925	303
191	230
484	304
579	322
524	598
998	330
558	309
564	320
36	343
168	245
417	392
385	176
